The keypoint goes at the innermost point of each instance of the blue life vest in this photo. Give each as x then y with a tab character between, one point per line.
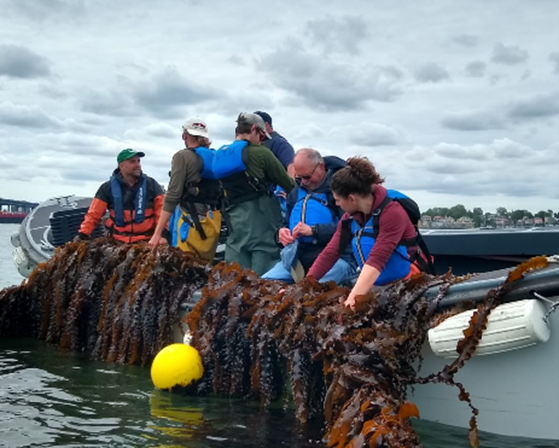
140	201
311	209
363	240
207	155
230	159
174	225
280	194
229	167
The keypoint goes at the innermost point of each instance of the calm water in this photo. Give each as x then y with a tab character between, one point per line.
52	398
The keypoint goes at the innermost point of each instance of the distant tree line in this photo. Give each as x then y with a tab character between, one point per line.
482	219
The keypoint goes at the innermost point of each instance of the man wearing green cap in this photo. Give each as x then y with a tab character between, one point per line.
133	199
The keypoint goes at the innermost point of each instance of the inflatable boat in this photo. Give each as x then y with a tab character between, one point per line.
52	223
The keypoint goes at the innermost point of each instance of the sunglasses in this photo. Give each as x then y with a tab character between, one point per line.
260	132
307	176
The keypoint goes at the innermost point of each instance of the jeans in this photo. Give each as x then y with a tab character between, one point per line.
342	271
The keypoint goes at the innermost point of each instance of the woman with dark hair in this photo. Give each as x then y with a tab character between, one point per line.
379	229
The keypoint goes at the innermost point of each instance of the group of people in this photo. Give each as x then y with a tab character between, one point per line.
288	215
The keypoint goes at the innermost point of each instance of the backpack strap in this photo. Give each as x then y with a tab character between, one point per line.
332	206
376	216
421	257
191	209
345	235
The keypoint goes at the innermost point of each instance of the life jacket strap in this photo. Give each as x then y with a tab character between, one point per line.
194	219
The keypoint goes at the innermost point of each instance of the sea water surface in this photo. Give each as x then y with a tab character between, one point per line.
52	398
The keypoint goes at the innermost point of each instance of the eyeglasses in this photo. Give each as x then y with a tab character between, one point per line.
307	176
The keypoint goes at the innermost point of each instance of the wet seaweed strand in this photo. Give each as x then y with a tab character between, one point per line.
117	302
350	370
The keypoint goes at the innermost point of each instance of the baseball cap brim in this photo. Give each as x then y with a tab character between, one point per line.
197	132
195	126
125	155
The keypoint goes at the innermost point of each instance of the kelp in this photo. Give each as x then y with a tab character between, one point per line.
347	369
116	302
350	369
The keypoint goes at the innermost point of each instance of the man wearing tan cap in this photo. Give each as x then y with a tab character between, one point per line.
254	215
197	222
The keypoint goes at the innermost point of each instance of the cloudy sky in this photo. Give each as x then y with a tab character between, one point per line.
454	102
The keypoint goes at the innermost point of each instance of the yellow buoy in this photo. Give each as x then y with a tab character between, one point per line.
176	365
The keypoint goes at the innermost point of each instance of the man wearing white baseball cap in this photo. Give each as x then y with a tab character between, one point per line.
196	127
197	221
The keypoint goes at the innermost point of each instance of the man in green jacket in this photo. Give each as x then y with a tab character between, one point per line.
254	214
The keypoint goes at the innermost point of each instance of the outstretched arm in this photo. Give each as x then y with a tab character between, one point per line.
95	213
365	282
161	224
180	169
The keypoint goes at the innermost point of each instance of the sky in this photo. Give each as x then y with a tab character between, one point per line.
454	102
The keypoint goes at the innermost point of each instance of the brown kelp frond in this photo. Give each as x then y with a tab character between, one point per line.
118	302
350	369
532	264
336	361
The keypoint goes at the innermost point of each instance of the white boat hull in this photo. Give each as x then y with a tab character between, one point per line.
516	392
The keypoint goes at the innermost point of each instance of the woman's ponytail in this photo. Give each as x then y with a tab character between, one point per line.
356	178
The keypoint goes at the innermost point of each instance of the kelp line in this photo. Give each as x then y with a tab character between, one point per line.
351	369
257	338
116	302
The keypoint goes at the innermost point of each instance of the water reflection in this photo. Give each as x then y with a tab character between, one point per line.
234	423
51	398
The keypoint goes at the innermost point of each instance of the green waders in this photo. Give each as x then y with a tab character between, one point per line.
252	240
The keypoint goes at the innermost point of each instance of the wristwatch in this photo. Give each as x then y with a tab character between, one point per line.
314	230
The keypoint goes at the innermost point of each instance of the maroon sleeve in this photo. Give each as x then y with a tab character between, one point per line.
329	255
394	225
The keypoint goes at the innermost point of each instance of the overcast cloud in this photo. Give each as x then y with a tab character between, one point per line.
454	103
476	69
431	72
554	57
20	62
510	55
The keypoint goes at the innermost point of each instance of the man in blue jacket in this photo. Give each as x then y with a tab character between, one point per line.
311	220
278	144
